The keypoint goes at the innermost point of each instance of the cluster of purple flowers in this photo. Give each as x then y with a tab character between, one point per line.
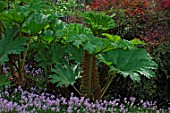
32	70
21	101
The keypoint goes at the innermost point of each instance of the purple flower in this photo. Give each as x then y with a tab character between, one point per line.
52	109
168	108
44	107
122	107
125	100
144	105
69	109
132	99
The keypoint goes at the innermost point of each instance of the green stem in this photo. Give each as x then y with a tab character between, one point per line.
105	88
90	76
76	90
1	29
25	54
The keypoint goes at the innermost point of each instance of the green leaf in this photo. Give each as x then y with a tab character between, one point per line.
98	22
124	44
74	29
48	36
18	15
75	54
52	54
11	45
136	41
113	38
131	63
35	23
65	75
4	82
3	5
96	45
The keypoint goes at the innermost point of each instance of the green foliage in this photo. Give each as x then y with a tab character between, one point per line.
35	23
136	41
50	55
124	44
75	54
65	75
131	63
4	82
3	5
161	55
146	89
98	22
58	47
48	36
9	44
18	15
113	38
67	7
73	29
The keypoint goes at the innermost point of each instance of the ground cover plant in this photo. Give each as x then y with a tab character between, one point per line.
41	47
21	101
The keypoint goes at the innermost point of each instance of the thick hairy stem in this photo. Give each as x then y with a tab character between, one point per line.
90	85
105	88
89	92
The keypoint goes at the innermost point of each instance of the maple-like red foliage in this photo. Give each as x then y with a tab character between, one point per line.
132	7
164	4
106	4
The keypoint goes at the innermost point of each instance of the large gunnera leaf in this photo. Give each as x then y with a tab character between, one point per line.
35	23
131	63
98	22
65	75
50	55
9	44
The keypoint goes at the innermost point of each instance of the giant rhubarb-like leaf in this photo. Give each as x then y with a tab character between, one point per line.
11	45
133	63
98	22
65	75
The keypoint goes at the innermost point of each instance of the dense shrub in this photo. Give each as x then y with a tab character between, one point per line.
162	55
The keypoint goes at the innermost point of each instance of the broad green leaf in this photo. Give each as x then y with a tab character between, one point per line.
131	63
98	22
136	41
96	45
11	45
4	82
75	54
43	57
74	29
48	36
17	15
113	38
52	54
78	39
124	44
65	75
35	23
